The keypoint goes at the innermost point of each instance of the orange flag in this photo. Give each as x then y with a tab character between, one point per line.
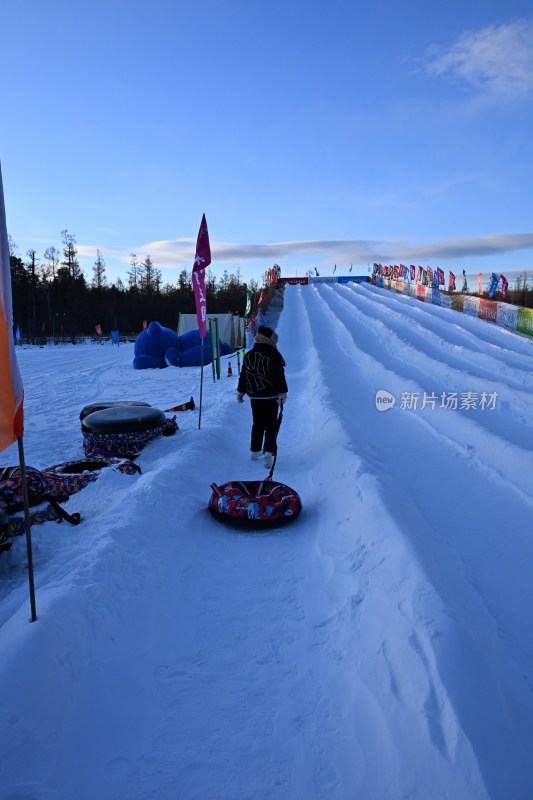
11	389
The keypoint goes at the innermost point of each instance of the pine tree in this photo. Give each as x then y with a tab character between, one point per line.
99	276
70	252
147	276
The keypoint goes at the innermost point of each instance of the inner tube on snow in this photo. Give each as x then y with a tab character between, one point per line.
109	404
254	504
124	419
71	476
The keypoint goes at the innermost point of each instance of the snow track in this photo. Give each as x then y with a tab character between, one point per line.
380	648
438	488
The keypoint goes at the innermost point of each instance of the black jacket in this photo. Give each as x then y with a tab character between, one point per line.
262	374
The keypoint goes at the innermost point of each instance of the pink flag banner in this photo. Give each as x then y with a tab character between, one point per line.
505	284
98	329
202	259
451	284
412	271
419	274
11	388
198	285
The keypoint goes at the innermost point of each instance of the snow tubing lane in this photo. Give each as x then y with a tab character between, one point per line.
254	505
124	419
86	410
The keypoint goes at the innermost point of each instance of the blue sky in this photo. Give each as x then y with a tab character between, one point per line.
310	134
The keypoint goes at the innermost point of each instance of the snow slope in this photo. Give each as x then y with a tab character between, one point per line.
380	648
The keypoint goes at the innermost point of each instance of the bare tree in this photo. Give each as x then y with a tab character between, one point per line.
32	267
157	280
224	281
13	249
184	281
210	283
34	281
134	272
51	255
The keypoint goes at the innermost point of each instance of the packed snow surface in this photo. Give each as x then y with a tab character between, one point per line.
379	648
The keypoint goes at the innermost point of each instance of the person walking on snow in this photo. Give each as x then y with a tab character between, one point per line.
262	378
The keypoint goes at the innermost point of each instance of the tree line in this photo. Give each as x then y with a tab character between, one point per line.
52	297
522	292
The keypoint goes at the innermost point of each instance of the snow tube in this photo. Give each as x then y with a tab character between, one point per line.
16	525
109	404
71	476
123	444
41	495
254	504
124	419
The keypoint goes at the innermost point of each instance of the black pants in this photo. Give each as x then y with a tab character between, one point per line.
265	425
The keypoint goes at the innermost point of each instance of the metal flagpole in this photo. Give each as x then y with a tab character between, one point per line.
212	342
28	527
201	382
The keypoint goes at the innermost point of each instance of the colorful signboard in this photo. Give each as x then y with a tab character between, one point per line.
295	281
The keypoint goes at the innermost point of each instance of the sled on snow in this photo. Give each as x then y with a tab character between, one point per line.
255	505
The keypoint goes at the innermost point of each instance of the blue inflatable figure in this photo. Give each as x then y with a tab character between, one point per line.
159	347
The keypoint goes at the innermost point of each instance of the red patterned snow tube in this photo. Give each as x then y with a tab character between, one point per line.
254	504
125	445
71	476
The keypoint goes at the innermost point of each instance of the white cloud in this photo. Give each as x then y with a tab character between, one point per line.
180	252
497	58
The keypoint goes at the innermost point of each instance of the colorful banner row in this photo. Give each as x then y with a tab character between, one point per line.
434	277
515	318
325	279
